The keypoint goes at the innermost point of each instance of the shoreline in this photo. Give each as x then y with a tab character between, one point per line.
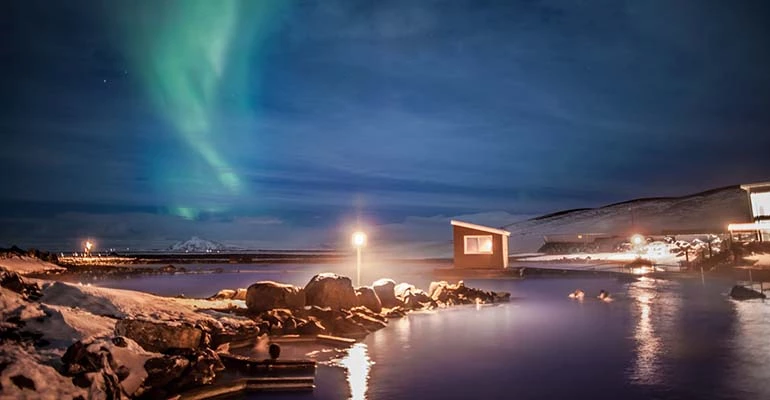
61	332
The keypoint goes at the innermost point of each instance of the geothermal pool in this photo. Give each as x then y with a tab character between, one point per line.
658	339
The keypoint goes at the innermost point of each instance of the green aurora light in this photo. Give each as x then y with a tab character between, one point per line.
194	57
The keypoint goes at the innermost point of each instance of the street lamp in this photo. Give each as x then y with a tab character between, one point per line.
89	245
359	241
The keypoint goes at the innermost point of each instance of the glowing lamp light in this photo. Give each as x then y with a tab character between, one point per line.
637	239
359	239
89	245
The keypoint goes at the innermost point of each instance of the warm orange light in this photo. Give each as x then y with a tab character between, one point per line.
359	239
637	239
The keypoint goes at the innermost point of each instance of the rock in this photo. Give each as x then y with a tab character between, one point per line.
181	370
395	312
240	294
331	290
439	291
22	382
204	363
161	336
411	297
105	368
371	324
224	294
267	295
230	294
311	327
14	282
347	327
367	297
168	269
161	371
384	288
743	293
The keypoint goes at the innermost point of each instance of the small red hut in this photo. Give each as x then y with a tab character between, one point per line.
478	246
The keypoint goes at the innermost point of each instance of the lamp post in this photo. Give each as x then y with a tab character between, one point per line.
359	241
89	245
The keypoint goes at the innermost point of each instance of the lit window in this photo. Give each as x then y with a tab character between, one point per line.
478	244
760	204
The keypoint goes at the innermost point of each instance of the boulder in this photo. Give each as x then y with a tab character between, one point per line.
331	290
311	327
439	291
411	297
267	295
161	336
161	371
240	294
109	368
181	370
347	327
224	294
384	288
743	293
367	297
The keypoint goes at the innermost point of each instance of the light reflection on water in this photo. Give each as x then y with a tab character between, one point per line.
658	339
358	364
751	369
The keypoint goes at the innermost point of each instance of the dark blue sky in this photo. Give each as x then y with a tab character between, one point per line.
152	121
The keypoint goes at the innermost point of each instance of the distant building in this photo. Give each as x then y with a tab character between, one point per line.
478	246
759	204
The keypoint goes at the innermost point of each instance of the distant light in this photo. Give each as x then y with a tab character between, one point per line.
580	236
637	239
359	239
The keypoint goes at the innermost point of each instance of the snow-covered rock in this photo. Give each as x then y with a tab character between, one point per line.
385	290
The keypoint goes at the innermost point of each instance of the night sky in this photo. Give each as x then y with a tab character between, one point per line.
142	122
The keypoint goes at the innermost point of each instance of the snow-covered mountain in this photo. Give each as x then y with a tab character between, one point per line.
198	245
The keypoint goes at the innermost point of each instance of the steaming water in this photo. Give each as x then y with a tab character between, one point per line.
656	340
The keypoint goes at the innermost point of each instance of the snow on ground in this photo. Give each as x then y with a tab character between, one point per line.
127	303
25	265
762	259
659	252
64	326
626	257
26	368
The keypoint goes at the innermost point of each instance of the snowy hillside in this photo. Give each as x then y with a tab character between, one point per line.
198	245
709	211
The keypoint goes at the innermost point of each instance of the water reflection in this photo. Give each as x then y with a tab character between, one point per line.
648	345
656	316
752	344
358	365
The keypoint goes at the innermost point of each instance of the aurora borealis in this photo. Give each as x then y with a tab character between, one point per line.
264	121
199	63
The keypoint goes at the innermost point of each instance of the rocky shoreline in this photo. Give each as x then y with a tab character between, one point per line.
62	340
